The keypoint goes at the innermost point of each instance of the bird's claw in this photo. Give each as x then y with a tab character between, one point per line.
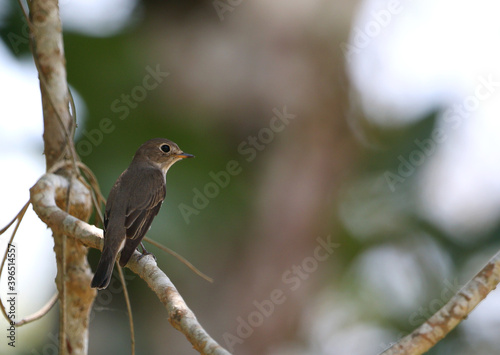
144	253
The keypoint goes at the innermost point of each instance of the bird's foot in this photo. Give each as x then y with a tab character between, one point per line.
144	253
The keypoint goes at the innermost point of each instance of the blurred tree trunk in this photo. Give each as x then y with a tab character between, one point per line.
298	192
295	199
73	272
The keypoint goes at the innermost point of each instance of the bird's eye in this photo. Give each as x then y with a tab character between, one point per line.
165	148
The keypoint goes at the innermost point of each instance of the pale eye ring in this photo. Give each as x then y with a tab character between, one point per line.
165	148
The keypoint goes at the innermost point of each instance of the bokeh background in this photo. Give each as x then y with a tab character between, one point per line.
347	172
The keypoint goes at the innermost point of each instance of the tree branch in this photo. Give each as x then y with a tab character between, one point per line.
73	271
48	52
48	189
451	314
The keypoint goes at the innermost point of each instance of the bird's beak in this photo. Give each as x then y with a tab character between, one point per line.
185	155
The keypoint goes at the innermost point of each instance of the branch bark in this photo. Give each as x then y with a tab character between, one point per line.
44	194
73	271
451	314
48	52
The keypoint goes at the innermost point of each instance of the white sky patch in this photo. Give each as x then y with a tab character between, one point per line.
95	17
409	56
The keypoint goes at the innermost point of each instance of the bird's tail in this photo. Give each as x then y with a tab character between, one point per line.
102	276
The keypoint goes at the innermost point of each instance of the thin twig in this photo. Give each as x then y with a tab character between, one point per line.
19	218
129	307
97	197
15	218
180	258
40	313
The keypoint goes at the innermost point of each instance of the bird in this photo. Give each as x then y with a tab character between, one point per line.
132	204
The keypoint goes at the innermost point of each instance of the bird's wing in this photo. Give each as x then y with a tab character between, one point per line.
143	205
138	230
111	201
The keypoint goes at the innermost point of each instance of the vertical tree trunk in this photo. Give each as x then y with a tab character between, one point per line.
73	271
49	52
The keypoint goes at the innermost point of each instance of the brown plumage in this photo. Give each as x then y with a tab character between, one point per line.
134	201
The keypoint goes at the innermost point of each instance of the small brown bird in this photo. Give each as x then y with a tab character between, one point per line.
133	202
